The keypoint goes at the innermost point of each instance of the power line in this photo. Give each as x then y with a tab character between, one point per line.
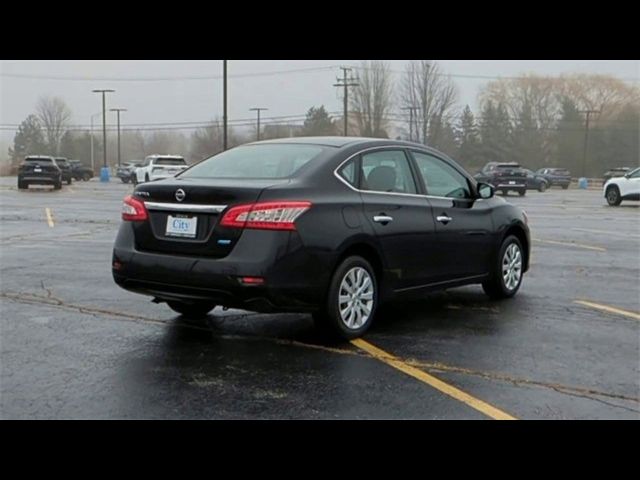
165	79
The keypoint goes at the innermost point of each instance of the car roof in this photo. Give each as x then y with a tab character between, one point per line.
38	156
335	141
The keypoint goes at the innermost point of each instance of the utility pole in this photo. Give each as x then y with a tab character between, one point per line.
346	83
258	110
586	139
104	123
92	161
224	105
411	110
118	110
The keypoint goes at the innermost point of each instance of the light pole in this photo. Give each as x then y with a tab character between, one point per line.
224	105
92	162
258	110
118	110
104	176
588	113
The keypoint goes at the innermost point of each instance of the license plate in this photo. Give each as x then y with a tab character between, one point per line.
512	182
37	170
181	226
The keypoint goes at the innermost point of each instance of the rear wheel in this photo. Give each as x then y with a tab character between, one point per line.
506	276
86	177
146	177
542	187
351	300
57	185
613	196
522	192
564	187
193	311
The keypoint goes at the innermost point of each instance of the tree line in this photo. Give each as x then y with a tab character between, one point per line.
534	120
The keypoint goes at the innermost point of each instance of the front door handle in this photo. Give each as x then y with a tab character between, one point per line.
444	219
383	219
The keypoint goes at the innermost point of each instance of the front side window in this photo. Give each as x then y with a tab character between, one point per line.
387	171
256	161
440	178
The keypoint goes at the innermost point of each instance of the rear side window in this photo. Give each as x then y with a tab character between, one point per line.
387	171
348	172
256	161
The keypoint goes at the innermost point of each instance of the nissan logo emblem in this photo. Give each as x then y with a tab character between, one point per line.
180	194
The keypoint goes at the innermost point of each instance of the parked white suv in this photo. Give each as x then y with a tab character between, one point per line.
157	167
617	189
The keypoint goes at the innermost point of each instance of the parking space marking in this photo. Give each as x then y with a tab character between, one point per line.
609	309
571	244
432	381
613	234
49	217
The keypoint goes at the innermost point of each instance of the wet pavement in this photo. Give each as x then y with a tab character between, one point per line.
74	345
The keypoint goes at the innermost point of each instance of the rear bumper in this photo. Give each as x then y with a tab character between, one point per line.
514	186
40	179
294	278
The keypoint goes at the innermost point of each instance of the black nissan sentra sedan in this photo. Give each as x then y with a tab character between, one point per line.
328	225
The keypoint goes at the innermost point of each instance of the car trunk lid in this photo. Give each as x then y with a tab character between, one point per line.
190	226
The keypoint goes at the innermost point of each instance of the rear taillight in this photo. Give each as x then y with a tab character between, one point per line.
133	210
265	215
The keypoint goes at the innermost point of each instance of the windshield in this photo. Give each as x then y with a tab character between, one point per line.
256	161
170	161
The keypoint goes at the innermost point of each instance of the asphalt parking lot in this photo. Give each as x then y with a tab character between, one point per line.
74	345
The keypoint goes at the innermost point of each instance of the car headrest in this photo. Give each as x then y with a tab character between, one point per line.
382	179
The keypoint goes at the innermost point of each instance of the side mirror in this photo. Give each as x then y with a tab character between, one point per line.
485	190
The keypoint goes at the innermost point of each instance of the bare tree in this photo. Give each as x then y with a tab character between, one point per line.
426	87
371	99
54	114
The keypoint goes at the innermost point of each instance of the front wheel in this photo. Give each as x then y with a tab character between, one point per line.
506	276
351	300
522	193
542	187
613	196
86	177
564	187
124	179
69	181
193	311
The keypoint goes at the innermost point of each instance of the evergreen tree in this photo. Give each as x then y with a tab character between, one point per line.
318	123
569	138
527	141
28	140
468	141
495	133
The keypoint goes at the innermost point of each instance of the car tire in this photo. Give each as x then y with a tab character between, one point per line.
146	177
57	185
69	181
351	302
613	196
192	311
124	179
542	187
522	193
86	177
22	185
564	187
506	275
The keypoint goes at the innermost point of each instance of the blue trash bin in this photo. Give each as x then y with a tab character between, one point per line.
583	183
104	174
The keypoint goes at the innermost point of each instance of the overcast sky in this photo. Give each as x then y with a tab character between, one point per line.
201	100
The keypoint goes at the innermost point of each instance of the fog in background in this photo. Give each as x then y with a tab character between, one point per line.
172	92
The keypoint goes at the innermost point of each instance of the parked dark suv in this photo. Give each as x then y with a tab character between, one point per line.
560	177
39	170
328	225
80	171
505	177
65	167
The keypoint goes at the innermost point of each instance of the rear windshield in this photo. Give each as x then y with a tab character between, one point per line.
256	161
170	161
508	165
37	160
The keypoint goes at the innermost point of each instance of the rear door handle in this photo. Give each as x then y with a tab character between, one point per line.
384	219
444	219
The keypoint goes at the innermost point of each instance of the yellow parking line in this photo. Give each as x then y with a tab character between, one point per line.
49	217
608	309
434	382
571	244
